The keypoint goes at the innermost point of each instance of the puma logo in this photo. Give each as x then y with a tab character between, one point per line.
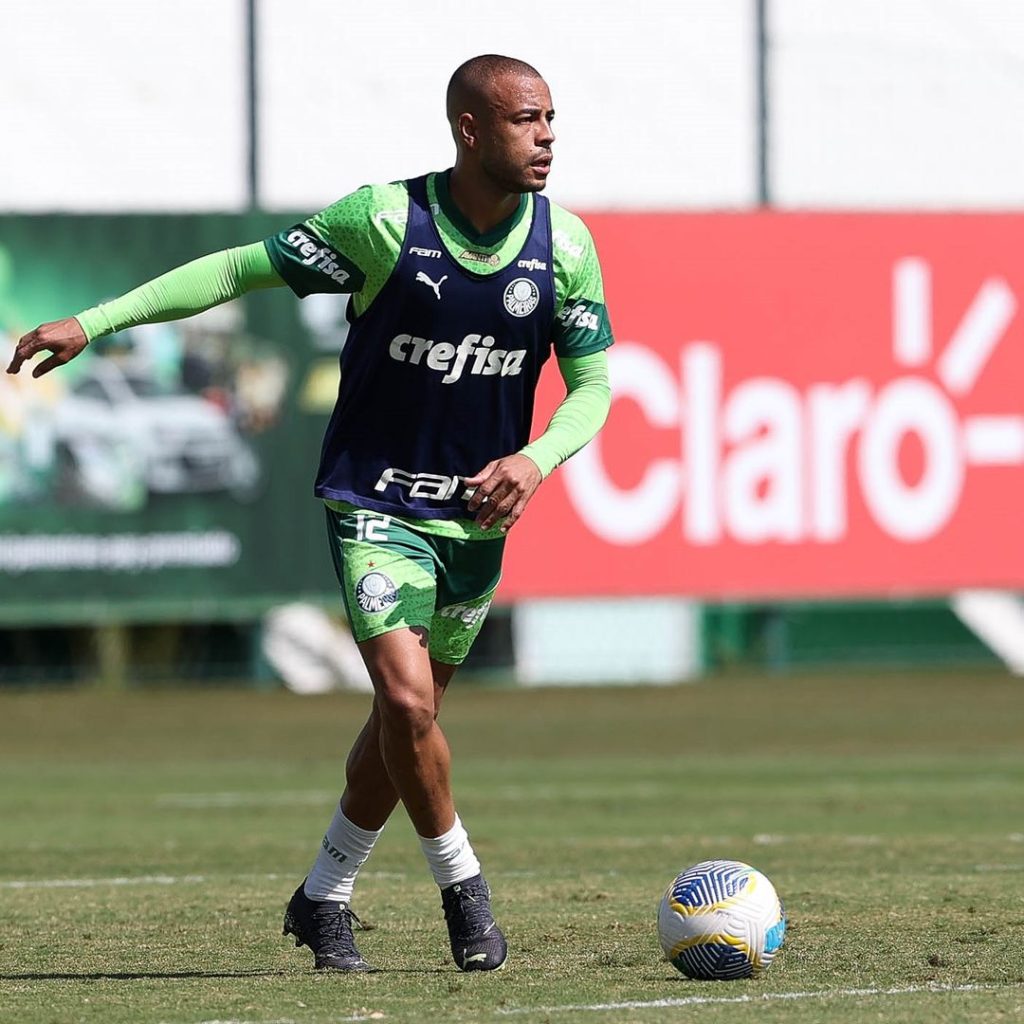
436	285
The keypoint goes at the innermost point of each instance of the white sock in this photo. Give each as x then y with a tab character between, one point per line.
344	849
451	857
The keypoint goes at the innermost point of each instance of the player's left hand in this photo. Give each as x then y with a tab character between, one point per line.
503	487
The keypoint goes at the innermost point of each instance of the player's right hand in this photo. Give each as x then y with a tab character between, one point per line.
63	338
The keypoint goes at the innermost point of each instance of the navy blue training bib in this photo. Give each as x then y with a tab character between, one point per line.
438	376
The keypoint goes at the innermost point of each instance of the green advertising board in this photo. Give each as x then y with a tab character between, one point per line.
167	472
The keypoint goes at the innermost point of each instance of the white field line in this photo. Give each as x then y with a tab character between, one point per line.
279	1020
760	840
513	794
663	1004
91	883
774	839
225	800
765	997
220	801
97	883
367	1015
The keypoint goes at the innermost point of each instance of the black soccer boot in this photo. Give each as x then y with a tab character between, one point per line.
326	927
477	941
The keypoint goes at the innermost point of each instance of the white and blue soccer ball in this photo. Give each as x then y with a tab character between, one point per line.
721	919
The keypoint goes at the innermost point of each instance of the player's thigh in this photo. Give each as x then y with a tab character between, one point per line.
386	573
469	575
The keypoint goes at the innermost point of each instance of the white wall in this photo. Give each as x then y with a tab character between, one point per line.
654	100
600	641
124	105
891	103
121	105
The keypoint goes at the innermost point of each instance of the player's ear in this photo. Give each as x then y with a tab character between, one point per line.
466	131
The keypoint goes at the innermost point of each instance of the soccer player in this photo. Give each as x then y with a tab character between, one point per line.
462	282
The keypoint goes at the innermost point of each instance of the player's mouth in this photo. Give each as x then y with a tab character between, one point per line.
542	166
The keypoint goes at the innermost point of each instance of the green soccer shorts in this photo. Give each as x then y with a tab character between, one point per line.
394	576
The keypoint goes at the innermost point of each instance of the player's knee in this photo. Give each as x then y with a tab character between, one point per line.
405	711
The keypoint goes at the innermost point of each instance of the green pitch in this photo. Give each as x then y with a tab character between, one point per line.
148	845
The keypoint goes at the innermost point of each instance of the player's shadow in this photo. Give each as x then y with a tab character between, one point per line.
182	975
136	975
417	970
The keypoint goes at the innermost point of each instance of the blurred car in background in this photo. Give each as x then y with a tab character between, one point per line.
121	438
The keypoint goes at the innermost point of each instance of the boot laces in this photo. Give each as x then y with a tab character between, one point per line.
334	927
468	908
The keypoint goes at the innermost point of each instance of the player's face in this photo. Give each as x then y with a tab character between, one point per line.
516	137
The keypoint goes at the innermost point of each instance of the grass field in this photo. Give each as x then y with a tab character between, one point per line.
148	844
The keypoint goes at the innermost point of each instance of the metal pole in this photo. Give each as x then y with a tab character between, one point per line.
764	196
252	103
112	641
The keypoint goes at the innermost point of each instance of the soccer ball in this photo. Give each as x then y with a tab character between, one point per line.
721	919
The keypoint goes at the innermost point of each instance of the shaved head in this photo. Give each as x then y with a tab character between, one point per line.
500	113
471	86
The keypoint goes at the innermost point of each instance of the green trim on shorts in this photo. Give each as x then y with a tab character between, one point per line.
394	577
455	529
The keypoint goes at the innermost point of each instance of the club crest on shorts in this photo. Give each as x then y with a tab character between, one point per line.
375	592
521	297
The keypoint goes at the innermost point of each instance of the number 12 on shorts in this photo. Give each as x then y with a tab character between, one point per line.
372	528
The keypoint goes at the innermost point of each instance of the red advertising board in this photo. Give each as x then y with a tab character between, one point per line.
803	405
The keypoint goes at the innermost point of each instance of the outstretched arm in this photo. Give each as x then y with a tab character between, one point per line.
184	291
503	487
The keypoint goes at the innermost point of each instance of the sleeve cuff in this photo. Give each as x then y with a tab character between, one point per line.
546	462
94	323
